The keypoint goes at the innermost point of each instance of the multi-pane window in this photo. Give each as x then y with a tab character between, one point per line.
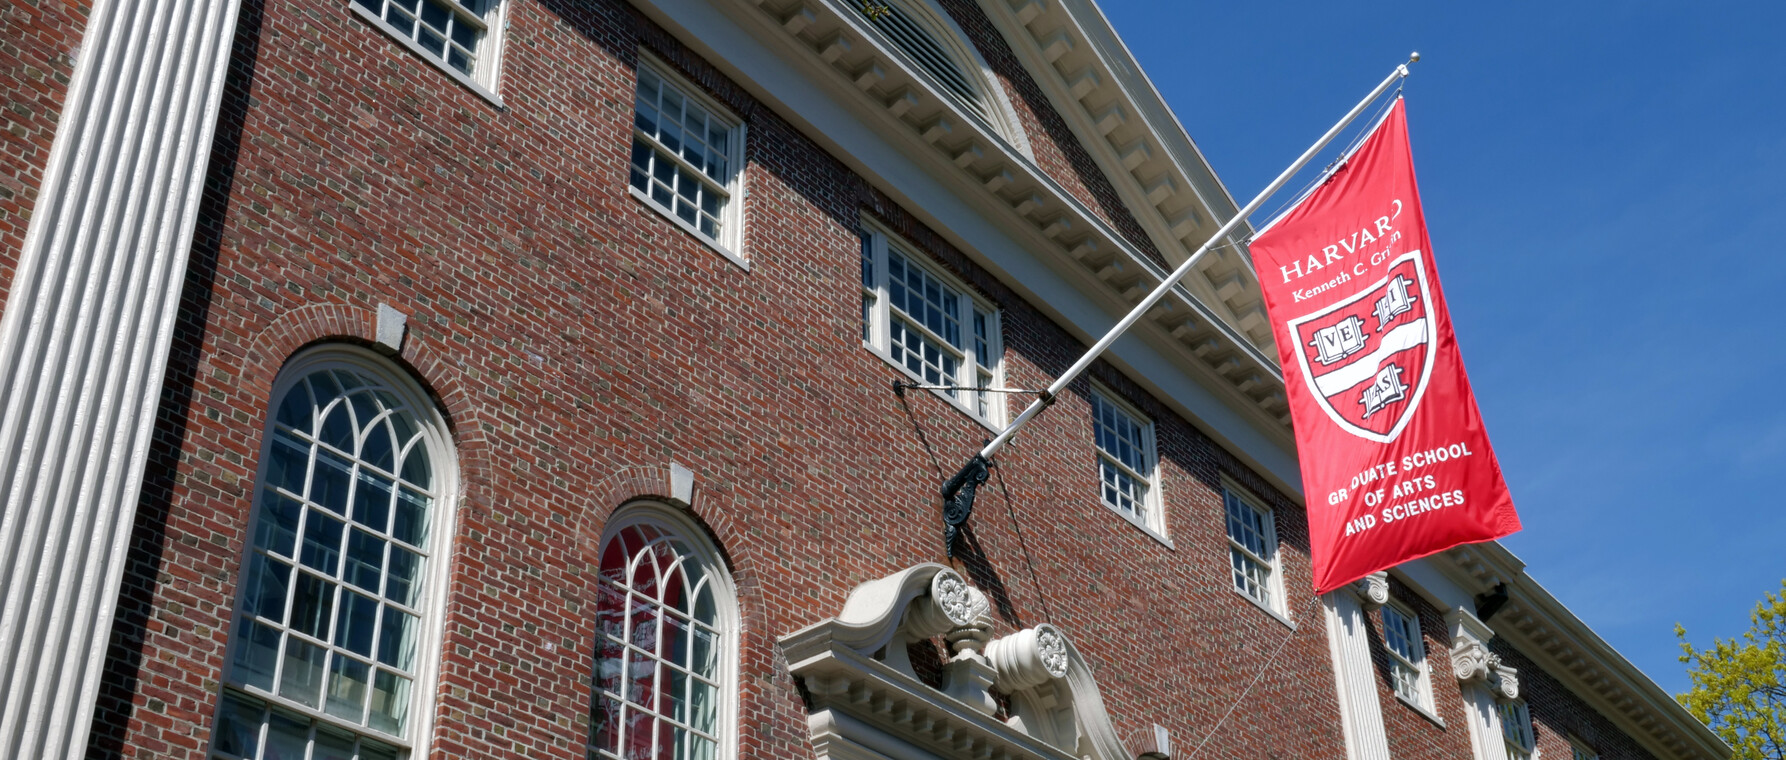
456	34
662	670
686	158
329	641
1252	549
1126	463
1582	751
927	324
1407	654
1516	728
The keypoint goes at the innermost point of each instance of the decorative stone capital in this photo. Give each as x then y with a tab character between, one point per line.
1505	682
1029	658
1471	662
1372	590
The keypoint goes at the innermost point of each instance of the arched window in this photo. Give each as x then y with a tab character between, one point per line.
665	638
932	40
336	625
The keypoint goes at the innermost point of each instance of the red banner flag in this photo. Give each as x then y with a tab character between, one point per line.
1395	462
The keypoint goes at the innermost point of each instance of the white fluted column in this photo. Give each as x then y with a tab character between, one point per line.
1348	641
1483	680
84	344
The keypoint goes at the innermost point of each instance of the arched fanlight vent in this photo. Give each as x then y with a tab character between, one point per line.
916	36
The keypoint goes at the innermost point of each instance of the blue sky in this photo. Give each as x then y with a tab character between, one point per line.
1605	186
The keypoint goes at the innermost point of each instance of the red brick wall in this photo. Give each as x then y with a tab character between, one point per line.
579	342
38	39
1557	714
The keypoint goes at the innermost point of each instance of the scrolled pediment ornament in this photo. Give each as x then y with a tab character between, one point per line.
855	664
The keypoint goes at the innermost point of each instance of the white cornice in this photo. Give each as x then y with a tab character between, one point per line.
1117	114
1540	627
829	41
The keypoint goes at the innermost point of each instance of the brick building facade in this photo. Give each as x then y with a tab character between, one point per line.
588	332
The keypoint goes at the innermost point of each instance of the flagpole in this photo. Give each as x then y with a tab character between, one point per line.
959	490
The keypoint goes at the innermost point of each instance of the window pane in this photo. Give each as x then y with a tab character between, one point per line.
410	524
278	526
238	727
311	605
365	560
257	654
329	482
397	638
390	702
358	618
348	679
265	588
288	463
301	678
322	542
286	737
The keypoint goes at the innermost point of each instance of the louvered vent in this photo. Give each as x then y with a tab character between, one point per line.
918	43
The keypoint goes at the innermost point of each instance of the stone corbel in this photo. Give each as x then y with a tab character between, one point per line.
1372	590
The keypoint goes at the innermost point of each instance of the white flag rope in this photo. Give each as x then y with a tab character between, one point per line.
958	492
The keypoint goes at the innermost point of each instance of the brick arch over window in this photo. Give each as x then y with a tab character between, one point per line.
291	332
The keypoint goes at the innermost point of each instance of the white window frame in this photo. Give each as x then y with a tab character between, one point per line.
673	521
1274	585
730	242
414	743
1420	665
1153	521
483	80
878	339
1516	730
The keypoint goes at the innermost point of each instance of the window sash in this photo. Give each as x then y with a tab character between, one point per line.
976	367
700	174
1267	533
477	54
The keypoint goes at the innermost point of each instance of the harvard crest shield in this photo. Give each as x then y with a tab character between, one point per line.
1368	358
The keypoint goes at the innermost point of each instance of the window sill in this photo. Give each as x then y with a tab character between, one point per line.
423	53
945	397
1424	713
1142	526
1275	615
742	263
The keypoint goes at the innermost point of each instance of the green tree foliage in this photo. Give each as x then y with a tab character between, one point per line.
1739	685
